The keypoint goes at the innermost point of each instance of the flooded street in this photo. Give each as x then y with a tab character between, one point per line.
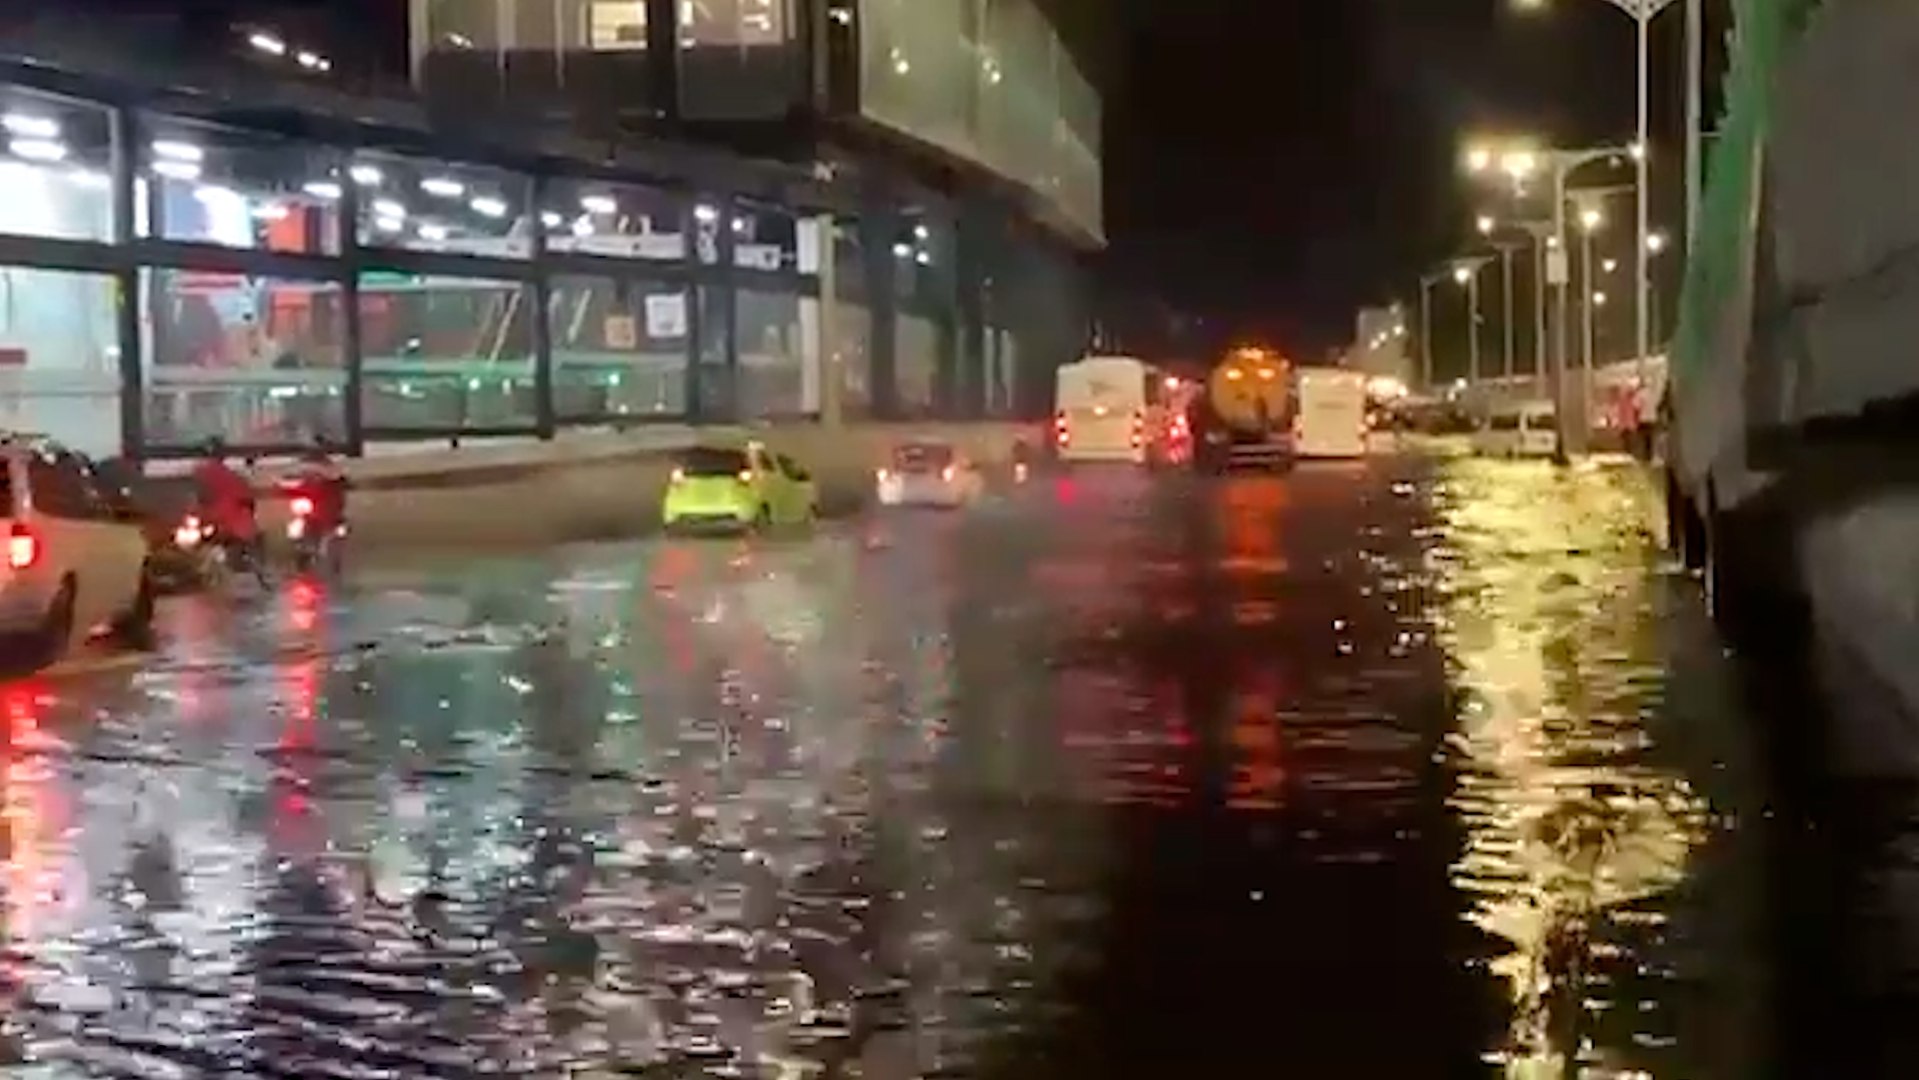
1421	767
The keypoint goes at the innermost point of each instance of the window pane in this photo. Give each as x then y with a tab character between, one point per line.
446	353
626	221
916	364
777	336
922	252
715	374
53	181
852	339
616	24
424	205
619	348
252	360
238	189
59	357
732	22
766	238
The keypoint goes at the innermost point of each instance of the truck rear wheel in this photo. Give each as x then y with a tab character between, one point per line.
1751	578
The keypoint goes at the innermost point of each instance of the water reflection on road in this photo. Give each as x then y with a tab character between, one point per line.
1580	824
1118	777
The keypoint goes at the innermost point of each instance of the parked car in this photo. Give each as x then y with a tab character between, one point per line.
928	473
1528	430
76	558
736	489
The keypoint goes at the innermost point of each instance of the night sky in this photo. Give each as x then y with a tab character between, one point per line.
1273	164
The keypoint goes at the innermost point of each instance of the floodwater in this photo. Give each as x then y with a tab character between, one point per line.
1416	767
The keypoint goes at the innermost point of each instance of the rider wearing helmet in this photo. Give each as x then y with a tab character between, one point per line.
225	496
325	483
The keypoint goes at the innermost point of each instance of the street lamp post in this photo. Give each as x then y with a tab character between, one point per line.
1466	273
1655	244
1695	116
1506	249
1643	12
1426	283
1590	221
1487	226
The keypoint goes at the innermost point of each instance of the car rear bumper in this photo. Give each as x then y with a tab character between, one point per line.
919	493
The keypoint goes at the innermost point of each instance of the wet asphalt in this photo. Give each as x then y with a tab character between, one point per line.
1421	766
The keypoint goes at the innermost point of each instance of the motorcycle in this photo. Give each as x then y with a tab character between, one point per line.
182	560
312	533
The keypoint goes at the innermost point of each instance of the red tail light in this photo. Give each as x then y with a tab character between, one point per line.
23	548
302	506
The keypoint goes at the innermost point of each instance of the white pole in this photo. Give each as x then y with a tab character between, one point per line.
1643	197
1512	332
1472	301
1586	311
1426	332
1695	114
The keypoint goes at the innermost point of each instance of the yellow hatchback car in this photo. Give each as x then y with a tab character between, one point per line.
737	489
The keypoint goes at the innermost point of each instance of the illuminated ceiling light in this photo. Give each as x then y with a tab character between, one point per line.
389	208
91	178
552	219
459	41
706	214
214	193
741	225
902	67
38	149
177	170
599	204
489	206
389	224
311	61
267	43
922	232
925	258
365	175
902	250
444	186
323	189
30	127
176	150
431	231
272	212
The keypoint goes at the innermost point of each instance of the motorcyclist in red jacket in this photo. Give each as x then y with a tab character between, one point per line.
227	501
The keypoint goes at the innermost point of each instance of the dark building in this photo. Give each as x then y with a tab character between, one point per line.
375	221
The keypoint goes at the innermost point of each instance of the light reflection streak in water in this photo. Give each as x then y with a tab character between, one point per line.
1572	832
513	835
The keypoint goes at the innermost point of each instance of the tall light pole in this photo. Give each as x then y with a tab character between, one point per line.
1520	164
1642	12
1655	245
1487	226
1466	273
1591	220
1426	283
1695	118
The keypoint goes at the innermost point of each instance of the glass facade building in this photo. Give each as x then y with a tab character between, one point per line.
177	267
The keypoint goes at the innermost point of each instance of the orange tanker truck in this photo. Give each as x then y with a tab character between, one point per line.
1245	417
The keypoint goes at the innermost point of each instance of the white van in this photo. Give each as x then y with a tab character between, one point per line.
1109	410
1331	419
1526	430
